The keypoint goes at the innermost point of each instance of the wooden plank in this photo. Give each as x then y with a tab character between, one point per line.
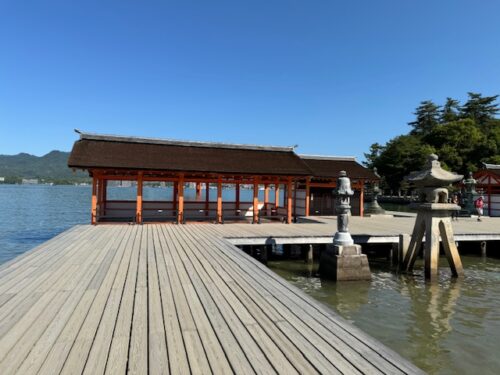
98	355
214	354
175	342
83	342
158	355
138	352
118	352
198	362
60	300
316	322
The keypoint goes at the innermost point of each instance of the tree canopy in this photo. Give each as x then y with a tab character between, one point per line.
463	136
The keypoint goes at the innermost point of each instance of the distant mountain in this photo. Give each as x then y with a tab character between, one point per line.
53	166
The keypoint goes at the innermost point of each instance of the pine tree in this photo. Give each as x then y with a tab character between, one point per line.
451	111
479	108
428	115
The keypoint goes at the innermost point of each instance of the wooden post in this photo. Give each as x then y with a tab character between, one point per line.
198	190
207	197
308	195
361	198
104	196
138	211
93	211
289	201
255	200
174	198
237	204
266	198
277	195
219	200
180	189
489	195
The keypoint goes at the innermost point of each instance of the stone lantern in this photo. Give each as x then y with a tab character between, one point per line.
374	208
433	219
470	192
344	260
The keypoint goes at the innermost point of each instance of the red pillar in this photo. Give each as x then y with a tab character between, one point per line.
219	200
180	199
289	201
93	211
308	195
255	200
138	213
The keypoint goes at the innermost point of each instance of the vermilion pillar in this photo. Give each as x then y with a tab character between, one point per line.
180	200
93	212
138	213
255	200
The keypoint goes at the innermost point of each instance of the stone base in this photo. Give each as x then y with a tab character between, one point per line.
344	263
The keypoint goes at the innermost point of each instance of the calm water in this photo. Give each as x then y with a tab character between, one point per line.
445	328
32	214
449	327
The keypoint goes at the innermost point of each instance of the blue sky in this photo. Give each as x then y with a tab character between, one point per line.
330	76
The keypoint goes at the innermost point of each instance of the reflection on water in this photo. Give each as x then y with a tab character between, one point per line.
447	327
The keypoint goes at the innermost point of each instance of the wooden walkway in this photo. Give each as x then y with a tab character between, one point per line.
168	299
378	229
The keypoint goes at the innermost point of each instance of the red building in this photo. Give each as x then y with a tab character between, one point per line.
290	183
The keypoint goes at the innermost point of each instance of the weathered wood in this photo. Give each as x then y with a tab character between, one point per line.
170	299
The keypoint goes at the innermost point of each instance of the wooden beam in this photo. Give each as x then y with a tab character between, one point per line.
219	200
207	197
489	195
237	205
361	198
174	197
93	210
289	201
138	211
104	196
308	195
180	203
198	190
276	194
266	197
255	199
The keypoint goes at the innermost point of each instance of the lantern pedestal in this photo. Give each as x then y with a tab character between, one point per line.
343	263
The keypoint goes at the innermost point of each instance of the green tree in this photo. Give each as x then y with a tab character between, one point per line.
427	118
480	108
401	156
374	153
450	111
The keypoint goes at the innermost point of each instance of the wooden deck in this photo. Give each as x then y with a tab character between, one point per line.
168	299
377	229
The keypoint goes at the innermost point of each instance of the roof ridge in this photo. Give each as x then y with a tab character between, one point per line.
173	142
327	157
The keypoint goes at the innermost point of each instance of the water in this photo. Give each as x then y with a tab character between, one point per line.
448	327
445	328
32	214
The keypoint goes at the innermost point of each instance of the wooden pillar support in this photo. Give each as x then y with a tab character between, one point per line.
180	200
93	211
138	210
308	195
489	195
207	198
237	204
255	200
266	198
219	200
277	195
361	198
289	198
104	196
174	198
198	190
